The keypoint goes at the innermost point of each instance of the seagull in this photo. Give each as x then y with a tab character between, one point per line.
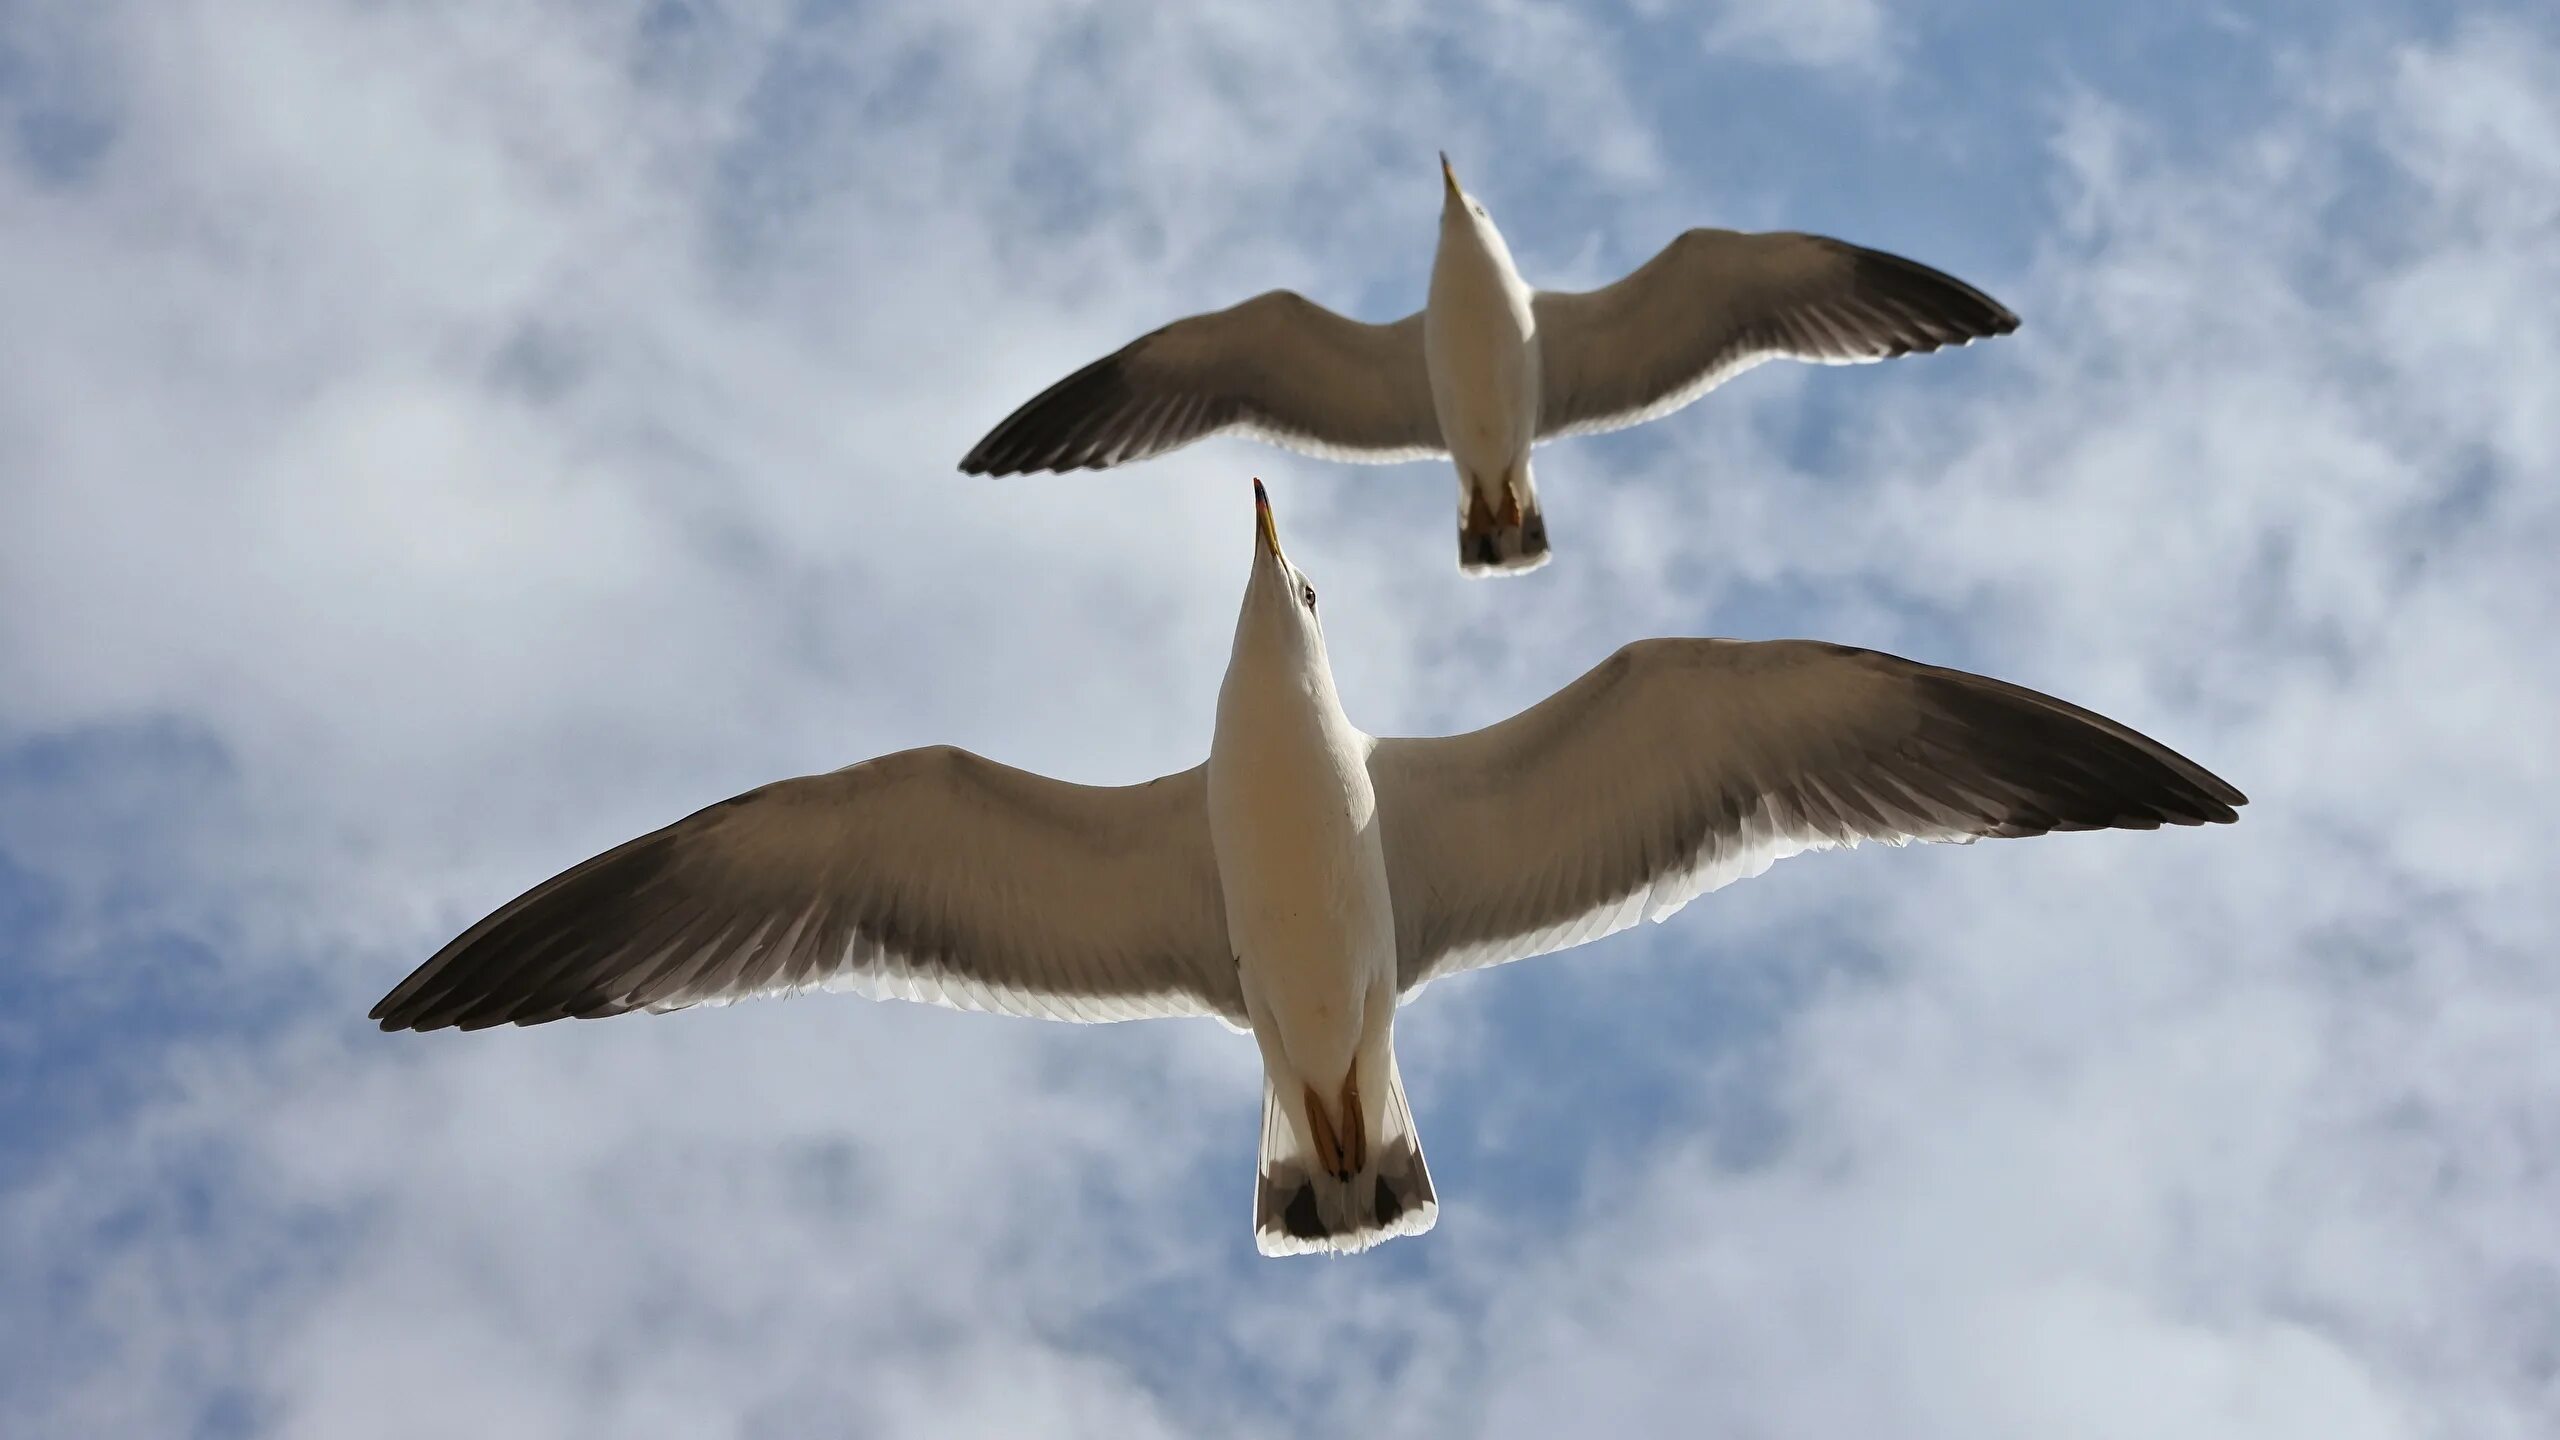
1308	878
1490	366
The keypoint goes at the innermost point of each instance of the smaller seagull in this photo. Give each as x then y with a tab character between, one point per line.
1308	878
1490	366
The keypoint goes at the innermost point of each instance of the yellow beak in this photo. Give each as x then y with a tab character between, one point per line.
1449	178
1262	512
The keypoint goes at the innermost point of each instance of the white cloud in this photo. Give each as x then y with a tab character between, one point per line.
1854	35
489	433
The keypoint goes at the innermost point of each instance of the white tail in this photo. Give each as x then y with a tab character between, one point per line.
1300	1209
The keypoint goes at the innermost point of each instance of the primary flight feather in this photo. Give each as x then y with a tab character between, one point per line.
1489	366
1309	877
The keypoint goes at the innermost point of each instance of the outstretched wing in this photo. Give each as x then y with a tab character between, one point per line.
1679	766
1715	303
929	875
1279	367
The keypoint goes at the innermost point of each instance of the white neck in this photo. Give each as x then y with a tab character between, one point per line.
1473	253
1278	682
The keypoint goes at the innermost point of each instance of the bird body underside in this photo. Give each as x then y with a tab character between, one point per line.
1293	818
1294	823
1480	347
1483	362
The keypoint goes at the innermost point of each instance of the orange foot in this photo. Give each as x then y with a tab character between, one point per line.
1355	1124
1341	1149
1329	1152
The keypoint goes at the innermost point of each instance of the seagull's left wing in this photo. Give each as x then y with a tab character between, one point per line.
927	875
1278	367
1679	766
1715	303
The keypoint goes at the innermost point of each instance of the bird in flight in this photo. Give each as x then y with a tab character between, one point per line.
1489	366
1308	878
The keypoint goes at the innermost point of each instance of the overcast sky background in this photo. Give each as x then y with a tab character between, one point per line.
438	442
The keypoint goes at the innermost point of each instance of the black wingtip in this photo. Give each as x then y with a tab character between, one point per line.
391	1013
2066	768
1948	311
392	1019
529	962
1065	427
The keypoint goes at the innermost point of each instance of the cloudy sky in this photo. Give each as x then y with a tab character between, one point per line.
437	442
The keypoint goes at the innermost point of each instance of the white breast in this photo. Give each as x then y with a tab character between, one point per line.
1294	821
1479	341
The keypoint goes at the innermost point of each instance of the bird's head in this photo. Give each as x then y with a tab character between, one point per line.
1457	207
1463	217
1279	618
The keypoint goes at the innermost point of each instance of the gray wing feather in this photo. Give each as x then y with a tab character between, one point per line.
930	875
1715	303
1278	367
1678	766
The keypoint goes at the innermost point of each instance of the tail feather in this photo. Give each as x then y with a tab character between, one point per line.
1503	533
1299	1209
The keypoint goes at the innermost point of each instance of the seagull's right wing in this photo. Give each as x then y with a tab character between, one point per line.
1679	766
1278	367
1715	303
928	875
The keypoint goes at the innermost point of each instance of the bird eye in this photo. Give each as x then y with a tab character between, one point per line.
1479	212
1307	593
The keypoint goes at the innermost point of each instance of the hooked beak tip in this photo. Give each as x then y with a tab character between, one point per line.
1448	176
1262	516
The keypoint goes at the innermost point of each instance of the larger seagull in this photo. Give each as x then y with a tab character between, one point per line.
1489	366
1309	877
